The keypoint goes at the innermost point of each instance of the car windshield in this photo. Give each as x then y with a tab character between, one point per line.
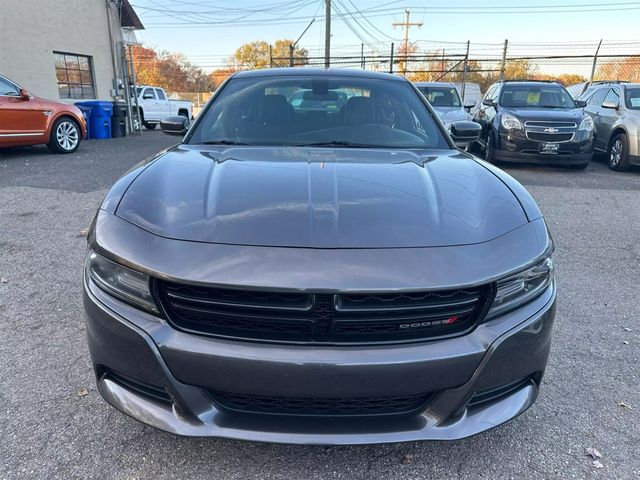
632	98
318	111
535	96
441	96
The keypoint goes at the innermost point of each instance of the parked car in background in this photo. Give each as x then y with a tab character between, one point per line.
352	280
470	93
534	122
29	120
615	109
154	105
445	100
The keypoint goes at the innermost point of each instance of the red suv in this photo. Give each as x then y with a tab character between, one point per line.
29	120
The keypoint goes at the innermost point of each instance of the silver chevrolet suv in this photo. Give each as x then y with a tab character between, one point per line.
615	109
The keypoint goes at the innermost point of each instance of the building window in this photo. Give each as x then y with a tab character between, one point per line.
75	77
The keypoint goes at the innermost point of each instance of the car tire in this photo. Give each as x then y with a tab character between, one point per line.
488	148
618	153
65	136
149	126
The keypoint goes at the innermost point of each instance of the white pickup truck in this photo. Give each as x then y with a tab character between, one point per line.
154	106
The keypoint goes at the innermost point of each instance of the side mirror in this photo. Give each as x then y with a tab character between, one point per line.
488	102
24	95
609	104
148	96
174	125
464	132
581	103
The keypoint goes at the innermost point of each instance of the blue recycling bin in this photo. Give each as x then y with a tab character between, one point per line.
100	118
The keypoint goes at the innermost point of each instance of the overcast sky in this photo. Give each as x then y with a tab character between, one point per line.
208	32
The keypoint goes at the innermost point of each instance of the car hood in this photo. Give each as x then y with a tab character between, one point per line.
546	114
451	114
320	198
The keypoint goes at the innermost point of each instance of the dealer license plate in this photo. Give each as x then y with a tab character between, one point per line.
549	148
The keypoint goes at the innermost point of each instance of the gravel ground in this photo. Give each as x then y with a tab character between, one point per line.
53	423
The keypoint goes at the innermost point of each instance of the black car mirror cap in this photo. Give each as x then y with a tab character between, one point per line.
489	103
610	104
174	125
464	132
581	103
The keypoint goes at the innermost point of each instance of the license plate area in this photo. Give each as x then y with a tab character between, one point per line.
548	148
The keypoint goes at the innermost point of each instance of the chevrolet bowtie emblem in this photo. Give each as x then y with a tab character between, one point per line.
550	130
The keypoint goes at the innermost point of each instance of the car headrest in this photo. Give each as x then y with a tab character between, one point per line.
443	100
359	111
274	109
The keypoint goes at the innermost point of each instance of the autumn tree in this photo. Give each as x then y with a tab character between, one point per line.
402	58
624	69
565	79
256	54
220	75
519	69
146	65
171	71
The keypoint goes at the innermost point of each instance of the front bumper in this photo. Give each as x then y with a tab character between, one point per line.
476	381
518	148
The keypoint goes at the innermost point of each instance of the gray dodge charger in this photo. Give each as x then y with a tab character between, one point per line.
329	270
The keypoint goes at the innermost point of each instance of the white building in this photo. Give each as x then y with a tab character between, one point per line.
69	50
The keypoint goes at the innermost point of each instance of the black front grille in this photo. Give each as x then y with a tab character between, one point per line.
320	406
550	137
547	124
321	318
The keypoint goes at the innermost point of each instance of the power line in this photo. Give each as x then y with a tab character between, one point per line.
371	23
378	11
364	30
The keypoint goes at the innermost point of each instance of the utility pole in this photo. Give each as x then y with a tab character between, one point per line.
327	33
405	26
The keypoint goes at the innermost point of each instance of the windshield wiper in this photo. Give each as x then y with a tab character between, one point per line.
223	142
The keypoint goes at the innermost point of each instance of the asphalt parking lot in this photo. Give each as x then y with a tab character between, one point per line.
53	423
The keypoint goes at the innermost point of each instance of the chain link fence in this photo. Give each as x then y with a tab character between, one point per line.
572	64
473	66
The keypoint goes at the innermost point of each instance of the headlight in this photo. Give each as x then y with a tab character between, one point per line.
586	124
120	281
509	122
521	288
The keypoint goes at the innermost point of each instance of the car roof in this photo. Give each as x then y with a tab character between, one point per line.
315	72
530	82
606	84
434	84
